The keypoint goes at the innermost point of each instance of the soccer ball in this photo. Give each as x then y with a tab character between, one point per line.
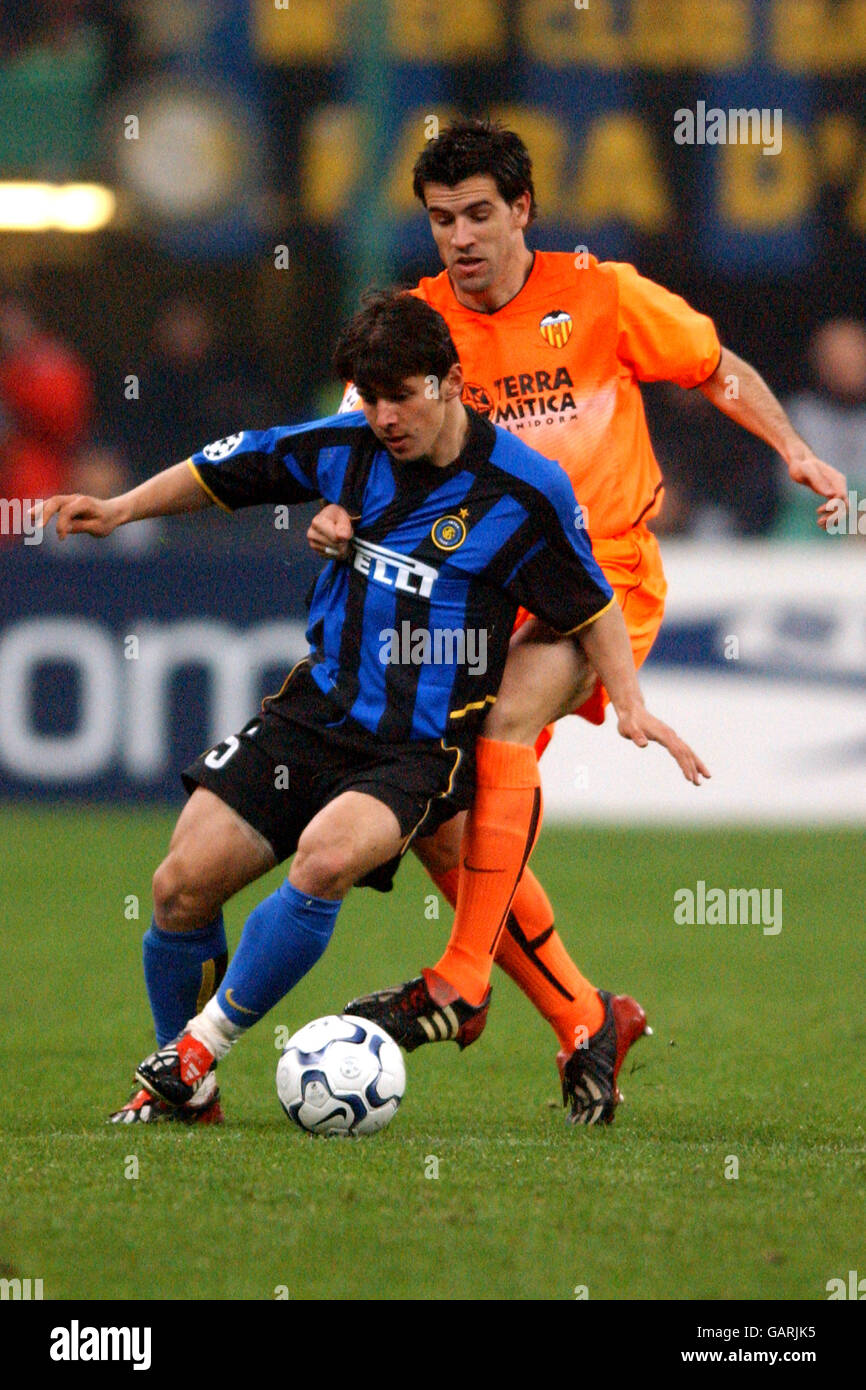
341	1075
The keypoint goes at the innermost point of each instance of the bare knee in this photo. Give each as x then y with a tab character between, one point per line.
179	902
324	869
511	723
518	717
213	853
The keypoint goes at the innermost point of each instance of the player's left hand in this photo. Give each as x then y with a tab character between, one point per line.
828	482
643	728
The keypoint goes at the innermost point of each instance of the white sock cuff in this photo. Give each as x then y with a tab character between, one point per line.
215	1029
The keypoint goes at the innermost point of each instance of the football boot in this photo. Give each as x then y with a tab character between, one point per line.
144	1109
589	1074
174	1074
424	1010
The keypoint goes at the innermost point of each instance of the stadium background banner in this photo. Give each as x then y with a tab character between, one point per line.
594	89
115	673
264	125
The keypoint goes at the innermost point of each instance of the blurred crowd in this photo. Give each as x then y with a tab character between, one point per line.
719	479
61	430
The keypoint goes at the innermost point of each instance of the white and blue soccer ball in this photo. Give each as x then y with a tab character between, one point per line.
341	1075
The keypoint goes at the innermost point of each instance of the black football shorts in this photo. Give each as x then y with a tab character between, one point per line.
301	752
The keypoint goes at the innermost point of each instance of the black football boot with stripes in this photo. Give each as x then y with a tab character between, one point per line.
424	1010
589	1074
144	1109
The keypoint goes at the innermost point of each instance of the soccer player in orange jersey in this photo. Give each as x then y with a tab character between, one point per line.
553	346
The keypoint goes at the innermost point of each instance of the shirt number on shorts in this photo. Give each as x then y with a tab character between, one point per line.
219	756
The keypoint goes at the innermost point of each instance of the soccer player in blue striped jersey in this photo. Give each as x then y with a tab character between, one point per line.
456	524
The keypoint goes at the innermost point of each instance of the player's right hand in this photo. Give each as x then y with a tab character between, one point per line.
331	531
828	482
76	513
642	727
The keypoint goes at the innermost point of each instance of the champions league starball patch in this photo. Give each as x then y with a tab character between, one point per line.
221	448
448	532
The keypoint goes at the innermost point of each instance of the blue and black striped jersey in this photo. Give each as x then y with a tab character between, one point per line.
410	636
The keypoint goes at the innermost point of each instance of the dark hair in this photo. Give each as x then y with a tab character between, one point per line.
472	147
393	336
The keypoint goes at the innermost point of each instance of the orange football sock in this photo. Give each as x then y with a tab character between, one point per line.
533	954
500	832
531	951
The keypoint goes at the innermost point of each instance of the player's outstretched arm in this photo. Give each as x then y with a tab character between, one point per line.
606	644
756	408
174	490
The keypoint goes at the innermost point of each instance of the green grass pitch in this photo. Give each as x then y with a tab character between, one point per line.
757	1057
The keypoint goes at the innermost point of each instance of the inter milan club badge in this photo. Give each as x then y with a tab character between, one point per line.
448	532
556	328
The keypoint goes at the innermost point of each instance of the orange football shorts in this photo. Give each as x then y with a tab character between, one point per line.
632	564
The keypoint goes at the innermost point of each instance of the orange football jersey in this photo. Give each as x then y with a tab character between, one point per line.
560	365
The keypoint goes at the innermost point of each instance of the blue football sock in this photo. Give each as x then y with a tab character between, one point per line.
182	970
282	939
